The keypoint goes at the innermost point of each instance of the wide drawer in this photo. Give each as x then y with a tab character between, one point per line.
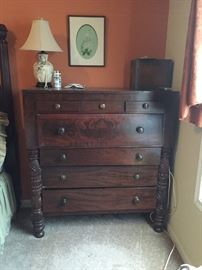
99	156
144	107
98	176
97	106
113	130
99	200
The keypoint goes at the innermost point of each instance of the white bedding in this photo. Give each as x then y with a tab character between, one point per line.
3	123
7	206
7	196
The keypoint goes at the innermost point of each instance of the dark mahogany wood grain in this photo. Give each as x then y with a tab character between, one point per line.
99	156
144	107
91	176
86	130
100	151
101	106
98	200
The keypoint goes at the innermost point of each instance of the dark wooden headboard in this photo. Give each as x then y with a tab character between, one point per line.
11	164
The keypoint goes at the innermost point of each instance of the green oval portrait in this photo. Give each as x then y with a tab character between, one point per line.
86	41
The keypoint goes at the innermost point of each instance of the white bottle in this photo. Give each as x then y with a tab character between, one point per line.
57	79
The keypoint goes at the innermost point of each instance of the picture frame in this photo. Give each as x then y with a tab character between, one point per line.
86	40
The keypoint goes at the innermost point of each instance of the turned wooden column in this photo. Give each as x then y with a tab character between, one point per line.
162	207
36	185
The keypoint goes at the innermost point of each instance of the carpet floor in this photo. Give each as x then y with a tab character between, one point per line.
99	242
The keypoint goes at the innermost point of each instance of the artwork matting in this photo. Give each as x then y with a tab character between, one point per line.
86	40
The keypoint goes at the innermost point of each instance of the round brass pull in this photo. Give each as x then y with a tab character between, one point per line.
57	106
63	157
139	157
145	105
61	131
63	177
102	106
136	200
140	130
136	176
64	201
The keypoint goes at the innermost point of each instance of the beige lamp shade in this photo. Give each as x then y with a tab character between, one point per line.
40	38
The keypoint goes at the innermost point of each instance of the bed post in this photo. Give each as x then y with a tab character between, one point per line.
6	105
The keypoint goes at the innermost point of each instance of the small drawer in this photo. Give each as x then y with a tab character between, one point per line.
99	176
99	200
100	156
97	106
57	106
94	130
144	107
102	106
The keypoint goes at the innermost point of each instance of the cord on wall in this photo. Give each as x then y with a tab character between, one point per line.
174	197
171	184
169	256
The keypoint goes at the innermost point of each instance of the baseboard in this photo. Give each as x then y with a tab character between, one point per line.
26	204
179	246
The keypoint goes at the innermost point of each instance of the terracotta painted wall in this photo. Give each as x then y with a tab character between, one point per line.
134	28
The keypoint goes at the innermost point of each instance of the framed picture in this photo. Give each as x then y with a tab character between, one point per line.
86	41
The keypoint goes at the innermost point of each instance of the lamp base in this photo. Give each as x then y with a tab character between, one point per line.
43	71
42	85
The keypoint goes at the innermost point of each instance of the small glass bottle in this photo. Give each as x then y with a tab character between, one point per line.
57	79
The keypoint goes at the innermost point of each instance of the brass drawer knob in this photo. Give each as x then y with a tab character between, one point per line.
136	176
140	130
63	157
145	105
63	177
136	200
139	157
57	106
61	131
64	201
102	106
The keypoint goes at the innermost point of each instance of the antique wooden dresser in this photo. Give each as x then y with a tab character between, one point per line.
99	151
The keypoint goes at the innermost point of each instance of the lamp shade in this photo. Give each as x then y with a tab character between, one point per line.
40	38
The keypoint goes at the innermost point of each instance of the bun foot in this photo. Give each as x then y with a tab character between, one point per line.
39	234
158	229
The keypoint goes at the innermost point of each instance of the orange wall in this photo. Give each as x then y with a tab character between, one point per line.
134	28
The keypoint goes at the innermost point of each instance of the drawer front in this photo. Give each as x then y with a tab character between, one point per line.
57	107
99	200
100	156
97	106
144	107
100	130
98	176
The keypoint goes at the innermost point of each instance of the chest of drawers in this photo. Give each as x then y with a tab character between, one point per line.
99	151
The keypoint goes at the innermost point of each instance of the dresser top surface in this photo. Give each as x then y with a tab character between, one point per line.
100	91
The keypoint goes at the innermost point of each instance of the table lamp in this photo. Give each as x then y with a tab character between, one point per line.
41	39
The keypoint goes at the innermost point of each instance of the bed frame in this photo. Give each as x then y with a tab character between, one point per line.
11	165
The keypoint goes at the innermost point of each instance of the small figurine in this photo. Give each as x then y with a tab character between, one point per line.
43	70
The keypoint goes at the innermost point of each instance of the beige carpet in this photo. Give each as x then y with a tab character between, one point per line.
101	242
